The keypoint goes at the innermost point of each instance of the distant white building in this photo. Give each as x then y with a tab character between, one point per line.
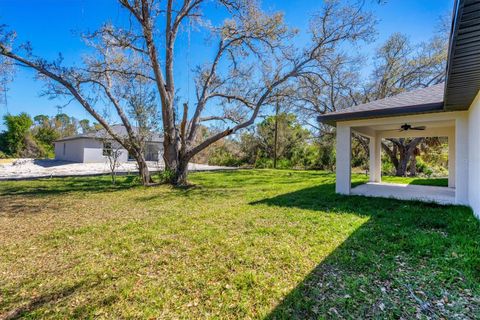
94	147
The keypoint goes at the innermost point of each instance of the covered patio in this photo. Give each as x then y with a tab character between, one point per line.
450	109
421	112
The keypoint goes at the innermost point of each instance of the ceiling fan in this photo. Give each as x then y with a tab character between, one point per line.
407	127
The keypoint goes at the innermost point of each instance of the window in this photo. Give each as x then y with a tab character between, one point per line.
64	148
107	149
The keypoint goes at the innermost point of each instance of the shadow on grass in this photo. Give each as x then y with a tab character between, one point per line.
406	258
55	297
56	186
40	301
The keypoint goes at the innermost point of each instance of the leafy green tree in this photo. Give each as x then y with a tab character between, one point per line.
41	119
85	125
45	135
294	148
66	125
292	137
18	127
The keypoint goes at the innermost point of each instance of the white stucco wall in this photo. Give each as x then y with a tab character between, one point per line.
462	174
93	152
474	155
343	162
70	150
84	150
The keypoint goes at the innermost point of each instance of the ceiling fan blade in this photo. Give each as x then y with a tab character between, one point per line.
419	128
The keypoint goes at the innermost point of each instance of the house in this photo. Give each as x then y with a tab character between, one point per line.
449	110
95	147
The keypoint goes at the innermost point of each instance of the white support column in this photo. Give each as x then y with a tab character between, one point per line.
451	160
375	148
461	160
344	154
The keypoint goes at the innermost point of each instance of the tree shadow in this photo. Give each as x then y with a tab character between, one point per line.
56	186
50	163
16	206
405	261
42	300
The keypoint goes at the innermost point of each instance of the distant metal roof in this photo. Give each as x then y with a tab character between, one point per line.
117	129
423	100
463	67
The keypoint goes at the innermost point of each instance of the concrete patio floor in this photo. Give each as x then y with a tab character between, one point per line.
441	195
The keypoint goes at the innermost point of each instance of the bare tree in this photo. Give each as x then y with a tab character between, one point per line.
334	86
401	67
102	80
6	74
250	65
112	150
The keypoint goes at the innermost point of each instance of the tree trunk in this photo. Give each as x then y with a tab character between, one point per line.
143	171
275	139
180	176
413	166
176	164
401	154
178	169
402	162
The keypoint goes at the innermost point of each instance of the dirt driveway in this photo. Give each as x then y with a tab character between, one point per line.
30	168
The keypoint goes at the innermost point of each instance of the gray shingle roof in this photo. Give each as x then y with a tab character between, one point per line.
423	100
117	128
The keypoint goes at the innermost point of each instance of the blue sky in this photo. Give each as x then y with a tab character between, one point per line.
49	26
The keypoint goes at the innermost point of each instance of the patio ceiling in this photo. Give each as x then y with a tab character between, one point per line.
439	128
427	124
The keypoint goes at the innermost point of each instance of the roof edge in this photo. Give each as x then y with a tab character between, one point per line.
457	9
381	113
73	138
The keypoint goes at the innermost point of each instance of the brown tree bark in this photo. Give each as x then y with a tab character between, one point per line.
401	154
143	170
413	165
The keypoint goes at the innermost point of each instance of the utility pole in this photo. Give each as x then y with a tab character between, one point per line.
275	139
59	109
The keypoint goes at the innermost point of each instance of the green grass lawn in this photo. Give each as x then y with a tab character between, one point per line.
437	182
257	244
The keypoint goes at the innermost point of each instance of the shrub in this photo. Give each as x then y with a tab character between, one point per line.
326	157
223	157
387	168
166	175
263	163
